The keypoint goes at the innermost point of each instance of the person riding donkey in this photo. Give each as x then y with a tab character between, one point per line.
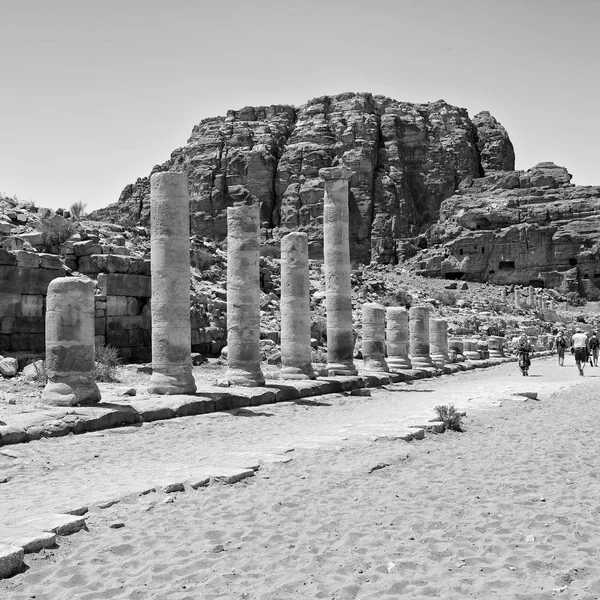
560	343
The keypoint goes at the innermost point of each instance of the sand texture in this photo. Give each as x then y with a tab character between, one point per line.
507	509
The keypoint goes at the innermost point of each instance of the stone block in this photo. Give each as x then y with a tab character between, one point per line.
27	281
19	342
133	306
29	260
11	560
83	248
4	342
25	324
35	238
32	305
51	261
116	305
124	322
10	304
99	340
136	337
117	337
120	284
7	258
141	353
99	326
7	324
37	342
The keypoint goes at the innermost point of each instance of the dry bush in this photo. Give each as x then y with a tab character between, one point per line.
451	418
55	233
77	209
202	259
446	297
270	251
107	362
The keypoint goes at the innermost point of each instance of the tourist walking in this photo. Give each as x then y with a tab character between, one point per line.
524	352
560	343
594	346
580	348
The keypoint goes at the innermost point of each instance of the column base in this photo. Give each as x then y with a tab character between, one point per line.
297	373
245	378
339	369
472	355
71	393
376	366
439	360
398	364
170	385
421	362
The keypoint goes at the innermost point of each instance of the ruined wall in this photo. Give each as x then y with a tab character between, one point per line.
24	279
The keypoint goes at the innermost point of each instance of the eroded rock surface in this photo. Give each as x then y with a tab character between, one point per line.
406	160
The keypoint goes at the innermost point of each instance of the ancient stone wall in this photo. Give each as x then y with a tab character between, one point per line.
24	279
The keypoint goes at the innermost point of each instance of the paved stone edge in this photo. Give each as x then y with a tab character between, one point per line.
41	532
56	422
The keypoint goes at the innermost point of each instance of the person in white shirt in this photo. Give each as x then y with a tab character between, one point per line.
579	347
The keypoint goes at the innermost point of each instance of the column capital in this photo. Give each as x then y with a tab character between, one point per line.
339	172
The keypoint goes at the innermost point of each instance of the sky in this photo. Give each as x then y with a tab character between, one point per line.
94	94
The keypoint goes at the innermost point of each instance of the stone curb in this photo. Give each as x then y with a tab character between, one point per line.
60	421
41	532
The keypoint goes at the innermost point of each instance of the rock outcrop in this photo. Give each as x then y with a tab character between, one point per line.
527	227
406	159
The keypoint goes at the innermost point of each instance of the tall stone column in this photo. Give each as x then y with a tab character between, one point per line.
419	337
396	336
438	341
373	337
70	343
503	295
243	296
531	296
336	251
295	308
517	298
170	254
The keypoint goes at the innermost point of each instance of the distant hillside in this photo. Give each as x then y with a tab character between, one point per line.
407	159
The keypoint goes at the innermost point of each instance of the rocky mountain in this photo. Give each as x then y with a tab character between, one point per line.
407	160
526	227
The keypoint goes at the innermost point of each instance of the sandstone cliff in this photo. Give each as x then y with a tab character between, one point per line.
406	158
527	227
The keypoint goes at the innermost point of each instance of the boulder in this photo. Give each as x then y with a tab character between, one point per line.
9	367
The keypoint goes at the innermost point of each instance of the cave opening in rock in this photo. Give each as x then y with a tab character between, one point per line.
506	265
453	275
572	261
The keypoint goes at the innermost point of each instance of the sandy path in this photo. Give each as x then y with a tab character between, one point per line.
508	509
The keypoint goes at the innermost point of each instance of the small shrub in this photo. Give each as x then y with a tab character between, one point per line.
55	233
202	259
107	362
400	297
41	375
574	299
319	356
446	297
270	251
451	418
78	209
